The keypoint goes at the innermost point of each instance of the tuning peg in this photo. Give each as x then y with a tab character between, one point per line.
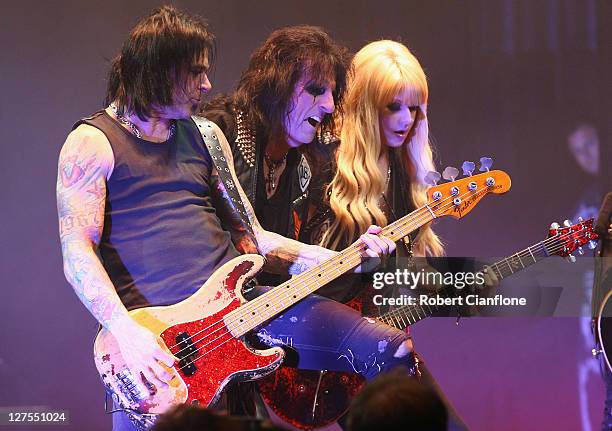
567	223
592	244
432	178
450	173
580	251
571	258
468	168
485	164
554	225
580	219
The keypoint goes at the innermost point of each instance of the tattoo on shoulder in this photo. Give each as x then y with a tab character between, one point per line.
81	190
72	169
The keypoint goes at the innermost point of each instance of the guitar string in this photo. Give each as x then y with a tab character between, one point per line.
350	254
349	251
558	240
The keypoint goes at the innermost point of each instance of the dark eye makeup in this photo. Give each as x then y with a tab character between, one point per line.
314	89
396	106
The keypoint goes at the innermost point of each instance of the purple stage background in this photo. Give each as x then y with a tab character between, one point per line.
508	79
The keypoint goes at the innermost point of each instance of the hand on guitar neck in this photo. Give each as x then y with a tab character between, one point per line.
490	282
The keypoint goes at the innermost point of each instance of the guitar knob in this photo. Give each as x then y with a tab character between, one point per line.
571	258
432	178
554	225
468	168
450	173
485	164
592	245
567	223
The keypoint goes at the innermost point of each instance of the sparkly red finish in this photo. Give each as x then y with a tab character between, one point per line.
291	394
220	356
568	238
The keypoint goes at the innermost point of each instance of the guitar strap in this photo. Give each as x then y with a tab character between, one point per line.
211	140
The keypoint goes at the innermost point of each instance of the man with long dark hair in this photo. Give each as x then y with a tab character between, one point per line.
279	121
136	184
284	105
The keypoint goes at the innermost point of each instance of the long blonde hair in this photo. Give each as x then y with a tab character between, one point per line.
381	70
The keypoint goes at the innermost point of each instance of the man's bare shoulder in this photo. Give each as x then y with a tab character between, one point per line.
87	142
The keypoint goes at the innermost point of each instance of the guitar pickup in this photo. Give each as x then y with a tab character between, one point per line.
187	353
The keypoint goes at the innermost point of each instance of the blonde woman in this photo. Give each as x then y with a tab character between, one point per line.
377	169
384	151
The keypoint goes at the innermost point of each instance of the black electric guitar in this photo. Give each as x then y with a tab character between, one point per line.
562	241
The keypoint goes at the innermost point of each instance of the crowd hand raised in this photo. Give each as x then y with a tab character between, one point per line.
143	353
378	248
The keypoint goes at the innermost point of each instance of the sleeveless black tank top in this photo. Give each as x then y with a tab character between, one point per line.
162	238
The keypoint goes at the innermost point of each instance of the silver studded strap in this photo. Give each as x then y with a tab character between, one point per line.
211	140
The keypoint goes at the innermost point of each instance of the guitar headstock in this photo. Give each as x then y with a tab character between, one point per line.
458	197
564	240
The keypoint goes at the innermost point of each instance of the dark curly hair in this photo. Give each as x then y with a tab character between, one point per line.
266	87
156	56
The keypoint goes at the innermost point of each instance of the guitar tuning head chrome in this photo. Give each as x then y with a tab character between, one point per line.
485	164
450	173
554	225
468	168
571	258
592	245
580	251
432	178
580	219
567	223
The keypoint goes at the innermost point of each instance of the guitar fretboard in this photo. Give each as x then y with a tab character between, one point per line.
268	305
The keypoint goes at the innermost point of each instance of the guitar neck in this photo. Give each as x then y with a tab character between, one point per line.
268	305
524	258
407	315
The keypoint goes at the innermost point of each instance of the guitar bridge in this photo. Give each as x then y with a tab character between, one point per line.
129	388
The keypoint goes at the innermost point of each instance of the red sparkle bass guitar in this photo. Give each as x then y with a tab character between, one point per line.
205	331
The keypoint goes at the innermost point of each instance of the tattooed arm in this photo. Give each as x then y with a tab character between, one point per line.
86	162
283	255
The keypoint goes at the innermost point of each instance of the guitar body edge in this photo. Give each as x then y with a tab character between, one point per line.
194	330
603	329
